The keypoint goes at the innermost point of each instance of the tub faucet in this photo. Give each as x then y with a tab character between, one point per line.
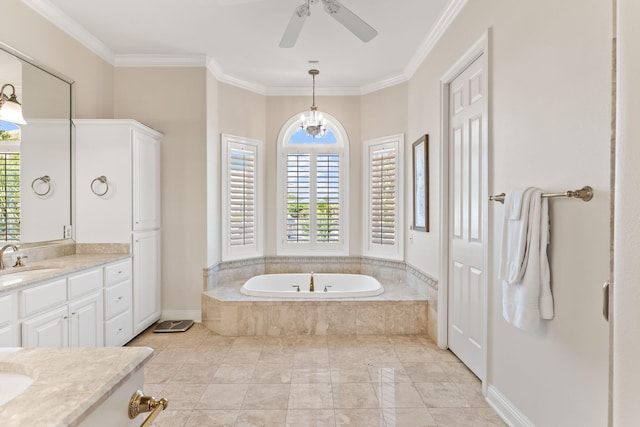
311	283
14	248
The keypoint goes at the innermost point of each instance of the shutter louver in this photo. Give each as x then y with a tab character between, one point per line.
242	196
10	197
328	198
298	197
383	196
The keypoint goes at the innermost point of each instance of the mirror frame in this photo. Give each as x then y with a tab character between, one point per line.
65	79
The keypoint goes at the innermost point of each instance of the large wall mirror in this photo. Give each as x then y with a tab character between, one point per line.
35	158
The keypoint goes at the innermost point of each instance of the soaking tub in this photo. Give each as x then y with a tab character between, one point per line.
327	286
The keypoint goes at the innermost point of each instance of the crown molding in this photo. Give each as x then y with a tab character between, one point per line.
307	91
214	67
383	84
444	21
58	18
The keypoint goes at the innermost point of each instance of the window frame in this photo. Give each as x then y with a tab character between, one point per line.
369	248
341	147
255	249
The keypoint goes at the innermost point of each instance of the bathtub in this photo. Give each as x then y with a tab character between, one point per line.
327	286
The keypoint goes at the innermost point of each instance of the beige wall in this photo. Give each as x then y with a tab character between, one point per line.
384	112
213	173
173	101
28	32
549	127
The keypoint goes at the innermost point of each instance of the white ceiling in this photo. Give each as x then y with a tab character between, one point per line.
238	39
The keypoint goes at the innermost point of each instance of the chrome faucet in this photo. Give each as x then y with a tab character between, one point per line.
4	248
311	283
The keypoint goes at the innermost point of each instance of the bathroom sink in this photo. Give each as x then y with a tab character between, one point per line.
10	277
13	384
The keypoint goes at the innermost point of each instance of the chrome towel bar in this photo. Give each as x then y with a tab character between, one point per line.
585	193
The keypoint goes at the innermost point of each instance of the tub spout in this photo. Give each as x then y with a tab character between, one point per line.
311	283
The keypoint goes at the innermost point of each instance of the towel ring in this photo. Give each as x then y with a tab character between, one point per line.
45	179
102	179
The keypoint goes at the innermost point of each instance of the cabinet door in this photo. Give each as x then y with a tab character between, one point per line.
103	148
146	181
146	279
50	329
85	318
8	322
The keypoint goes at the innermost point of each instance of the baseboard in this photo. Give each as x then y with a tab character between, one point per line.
509	413
195	315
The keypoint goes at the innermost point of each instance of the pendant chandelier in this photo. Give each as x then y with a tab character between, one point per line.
312	121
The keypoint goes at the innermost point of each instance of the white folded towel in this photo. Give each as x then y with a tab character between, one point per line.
514	235
526	290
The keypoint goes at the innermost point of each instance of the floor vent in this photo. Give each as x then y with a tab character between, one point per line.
173	326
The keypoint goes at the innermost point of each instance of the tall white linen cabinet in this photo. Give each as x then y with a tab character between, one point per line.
118	201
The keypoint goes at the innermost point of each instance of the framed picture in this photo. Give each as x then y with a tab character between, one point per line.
421	184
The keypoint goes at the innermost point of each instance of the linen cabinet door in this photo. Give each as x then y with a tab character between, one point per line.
146	181
146	279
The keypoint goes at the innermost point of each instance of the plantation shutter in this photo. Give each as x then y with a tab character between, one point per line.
10	197
298	197
328	198
383	195
242	195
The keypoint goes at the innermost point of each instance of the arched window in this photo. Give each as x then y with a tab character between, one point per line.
313	174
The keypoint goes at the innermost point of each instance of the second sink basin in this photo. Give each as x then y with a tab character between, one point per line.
13	384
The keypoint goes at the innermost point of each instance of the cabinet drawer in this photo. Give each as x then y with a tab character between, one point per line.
83	283
6	309
118	330
117	299
117	272
43	296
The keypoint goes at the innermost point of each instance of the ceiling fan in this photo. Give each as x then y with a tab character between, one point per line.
338	11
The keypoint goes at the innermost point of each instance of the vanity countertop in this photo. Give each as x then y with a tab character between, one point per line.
69	383
13	278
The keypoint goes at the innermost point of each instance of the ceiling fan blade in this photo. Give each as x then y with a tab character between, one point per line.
350	20
292	32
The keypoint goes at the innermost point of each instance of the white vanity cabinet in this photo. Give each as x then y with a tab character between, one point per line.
64	312
118	312
118	201
9	336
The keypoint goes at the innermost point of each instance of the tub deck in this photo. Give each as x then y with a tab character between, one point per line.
399	310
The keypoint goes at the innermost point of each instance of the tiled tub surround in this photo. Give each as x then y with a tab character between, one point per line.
402	309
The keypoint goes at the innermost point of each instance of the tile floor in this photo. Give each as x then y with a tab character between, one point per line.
363	380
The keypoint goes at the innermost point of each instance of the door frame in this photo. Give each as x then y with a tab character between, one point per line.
479	49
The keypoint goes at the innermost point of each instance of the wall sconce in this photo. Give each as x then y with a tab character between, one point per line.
10	108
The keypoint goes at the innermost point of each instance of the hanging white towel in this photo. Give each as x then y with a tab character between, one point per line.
514	235
526	291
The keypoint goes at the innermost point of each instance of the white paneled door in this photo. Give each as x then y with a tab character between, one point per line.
467	229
